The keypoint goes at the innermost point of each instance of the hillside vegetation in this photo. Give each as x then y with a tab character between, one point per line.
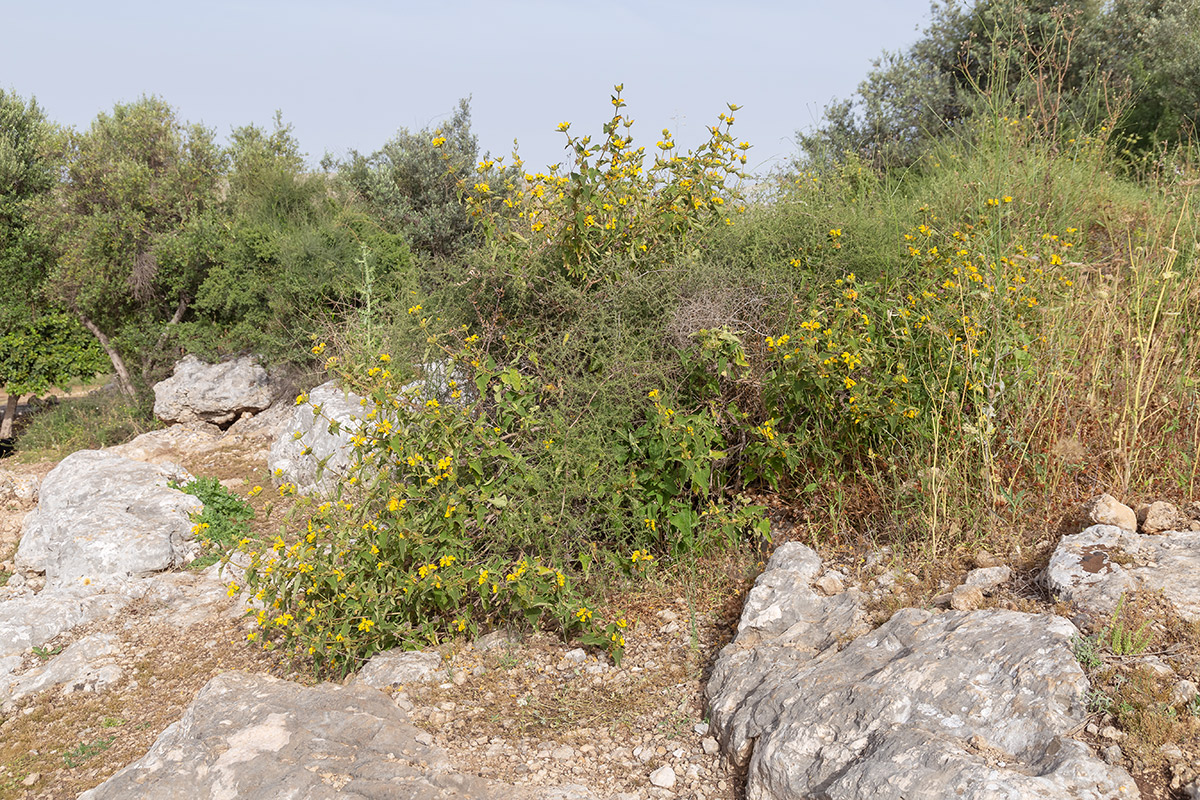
640	355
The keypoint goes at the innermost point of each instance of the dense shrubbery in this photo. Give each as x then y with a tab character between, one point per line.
622	364
906	356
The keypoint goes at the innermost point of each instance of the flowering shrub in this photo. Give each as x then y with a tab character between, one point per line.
415	547
611	210
874	365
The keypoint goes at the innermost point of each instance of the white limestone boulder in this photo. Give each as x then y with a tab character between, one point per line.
963	704
313	451
255	737
215	393
102	518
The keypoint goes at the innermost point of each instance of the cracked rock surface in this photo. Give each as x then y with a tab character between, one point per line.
960	704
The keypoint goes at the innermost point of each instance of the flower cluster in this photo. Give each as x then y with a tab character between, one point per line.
611	202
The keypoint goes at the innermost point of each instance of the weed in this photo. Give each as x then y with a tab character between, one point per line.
1098	702
674	724
1121	640
222	524
45	653
84	751
1087	652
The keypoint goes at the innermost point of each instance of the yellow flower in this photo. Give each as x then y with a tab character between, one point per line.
318	348
562	126
439	141
366	625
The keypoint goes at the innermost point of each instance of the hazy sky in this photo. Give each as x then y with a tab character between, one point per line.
348	74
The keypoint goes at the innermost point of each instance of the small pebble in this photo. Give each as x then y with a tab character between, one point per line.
663	777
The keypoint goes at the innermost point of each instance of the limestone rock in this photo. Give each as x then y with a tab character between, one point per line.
663	777
829	584
1095	567
966	598
260	738
164	445
18	488
326	434
1161	517
87	665
988	579
1183	692
399	667
1107	510
30	620
784	606
102	517
268	424
785	623
214	393
894	714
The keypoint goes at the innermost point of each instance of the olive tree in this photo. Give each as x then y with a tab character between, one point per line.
39	346
134	223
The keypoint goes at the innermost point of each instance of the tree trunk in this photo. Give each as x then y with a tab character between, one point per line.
123	381
147	361
10	414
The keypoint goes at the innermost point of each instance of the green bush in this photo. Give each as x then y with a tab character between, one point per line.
425	539
410	186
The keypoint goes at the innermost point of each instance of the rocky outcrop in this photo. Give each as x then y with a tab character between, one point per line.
30	620
215	393
314	451
1095	567
969	705
164	445
104	518
88	665
259	738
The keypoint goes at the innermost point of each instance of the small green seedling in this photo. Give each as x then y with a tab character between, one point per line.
83	751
